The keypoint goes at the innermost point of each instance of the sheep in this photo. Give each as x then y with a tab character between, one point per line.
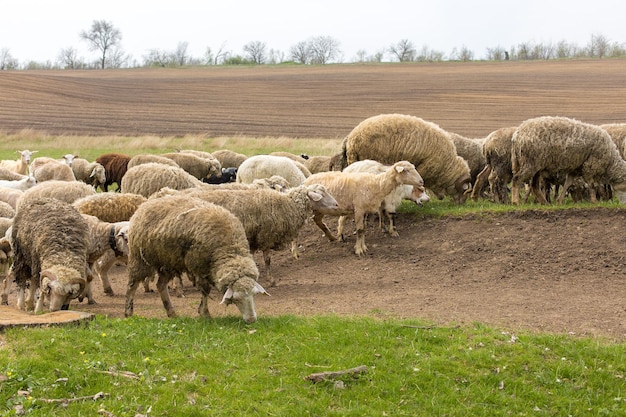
60	190
317	164
10	196
92	173
6	174
394	199
336	162
176	234
228	158
551	146
6	211
264	166
302	158
388	138
618	134
104	237
22	185
497	172
110	207
359	193
115	167
275	182
49	240
6	259
201	154
48	169
270	219
228	175
147	179
145	158
19	166
197	166
472	151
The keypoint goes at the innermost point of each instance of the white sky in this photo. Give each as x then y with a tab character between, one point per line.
38	29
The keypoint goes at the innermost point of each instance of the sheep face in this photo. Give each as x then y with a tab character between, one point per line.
407	174
620	191
321	200
98	175
418	195
462	189
60	293
242	293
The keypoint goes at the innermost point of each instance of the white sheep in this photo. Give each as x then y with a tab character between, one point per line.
22	184
264	166
199	167
144	158
147	179
173	235
388	138
91	173
67	191
228	158
20	165
10	196
6	174
552	146
48	169
393	200
618	134
360	193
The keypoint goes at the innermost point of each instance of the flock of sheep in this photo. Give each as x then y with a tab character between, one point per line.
203	215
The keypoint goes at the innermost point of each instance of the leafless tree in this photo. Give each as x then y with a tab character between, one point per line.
403	51
276	56
256	51
68	58
429	55
103	37
324	49
463	54
116	58
180	54
496	53
598	46
301	52
218	57
7	62
157	58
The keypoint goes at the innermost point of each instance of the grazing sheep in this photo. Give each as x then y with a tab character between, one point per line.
92	173
201	154
551	146
49	169
228	175
389	138
497	172
275	182
60	190
147	179
115	167
317	164
360	193
264	166
302	158
6	174
228	158
271	220
10	196
104	237
19	166
146	158
22	185
472	151
173	235
393	200
197	166
6	211
618	134
49	240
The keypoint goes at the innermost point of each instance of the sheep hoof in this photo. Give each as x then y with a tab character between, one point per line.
91	302
108	291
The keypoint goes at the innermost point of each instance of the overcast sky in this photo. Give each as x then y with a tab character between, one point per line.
38	29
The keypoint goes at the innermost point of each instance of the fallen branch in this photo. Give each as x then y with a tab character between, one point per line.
75	399
323	376
125	374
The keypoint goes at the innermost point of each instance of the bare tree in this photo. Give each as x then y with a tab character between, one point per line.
256	51
324	49
180	54
116	58
157	58
496	53
103	37
429	55
68	58
276	56
301	52
403	51
7	62
598	46
218	57
463	54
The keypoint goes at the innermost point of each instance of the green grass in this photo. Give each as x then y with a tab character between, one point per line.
189	366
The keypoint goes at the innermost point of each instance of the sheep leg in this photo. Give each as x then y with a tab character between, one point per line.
205	288
130	295
87	291
102	267
30	297
294	249
6	289
268	273
20	299
360	248
340	226
178	286
317	218
165	294
481	183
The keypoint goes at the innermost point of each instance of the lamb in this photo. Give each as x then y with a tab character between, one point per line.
10	196
147	179
389	138
92	173
228	175
497	172
103	237
115	167
110	207
146	158
48	169
19	166
195	165
49	239
270	219
472	151
359	193
618	134
393	200
264	166
60	190
176	234
228	158
6	174
548	146
22	185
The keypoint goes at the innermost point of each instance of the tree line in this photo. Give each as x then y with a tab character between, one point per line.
104	39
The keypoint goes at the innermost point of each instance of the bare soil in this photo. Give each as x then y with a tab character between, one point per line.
539	270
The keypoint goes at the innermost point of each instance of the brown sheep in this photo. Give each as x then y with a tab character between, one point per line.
115	167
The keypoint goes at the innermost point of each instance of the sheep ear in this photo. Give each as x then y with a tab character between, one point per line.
399	168
228	297
315	196
258	289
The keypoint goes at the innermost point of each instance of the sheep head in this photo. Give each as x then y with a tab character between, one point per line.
242	293
60	292
320	198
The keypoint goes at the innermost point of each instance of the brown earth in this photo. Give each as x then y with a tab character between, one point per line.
538	270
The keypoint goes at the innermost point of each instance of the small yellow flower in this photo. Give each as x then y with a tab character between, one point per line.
9	374
146	359
82	353
103	335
